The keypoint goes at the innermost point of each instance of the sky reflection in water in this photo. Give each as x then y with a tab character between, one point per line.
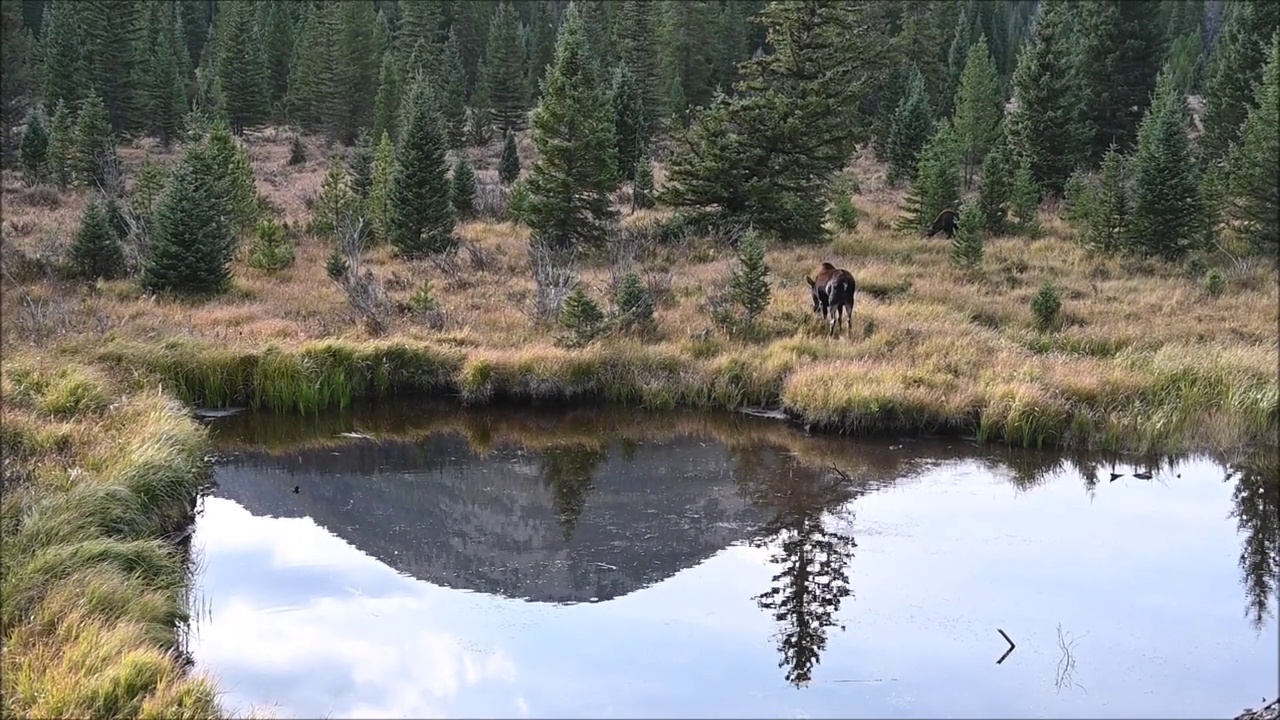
1142	574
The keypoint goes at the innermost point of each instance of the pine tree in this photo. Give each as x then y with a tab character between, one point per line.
582	317
978	107
147	188
63	72
1048	127
421	21
62	143
192	244
749	281
642	184
1234	68
159	86
509	163
1024	198
966	244
542	47
504	60
686	56
937	183
636	38
1252	164
242	64
1166	190
910	129
316	100
276	22
356	76
231	178
108	31
34	155
15	85
570	182
630	126
97	252
463	189
94	145
386	107
360	165
1108	216
380	186
335	202
996	190
452	81
420	218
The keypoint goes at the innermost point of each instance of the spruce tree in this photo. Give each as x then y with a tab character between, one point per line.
504	67
996	190
108	32
15	73
94	145
386	106
421	21
147	188
1049	127
937	183
242	65
34	155
978	107
276	23
231	178
749	281
335	202
1024	198
62	67
316	100
357	55
966	245
642	184
910	129
452	80
159	85
62	145
1255	195
1108	216
97	252
630	126
192	244
509	163
542	47
1234	67
1166	190
636	38
420	218
570	183
360	165
463	189
380	186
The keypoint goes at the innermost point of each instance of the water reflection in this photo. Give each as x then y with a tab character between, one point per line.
567	470
1257	512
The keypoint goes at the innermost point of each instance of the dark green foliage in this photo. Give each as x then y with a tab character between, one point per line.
542	46
242	64
1024	199
582	317
62	143
911	128
462	192
844	214
109	31
1253	163
634	303
1046	307
686	56
1107	216
642	195
62	69
452	80
337	265
360	165
386	106
233	184
1077	197
1215	284
94	144
423	299
749	281
34	155
316	100
384	160
15	72
420	218
978	106
570	183
358	50
937	184
635	35
509	163
271	250
192	242
147	188
630	126
1166	188
1235	66
159	82
276	21
504	80
996	191
97	252
335	203
421	21
1048	127
297	151
966	245
1184	62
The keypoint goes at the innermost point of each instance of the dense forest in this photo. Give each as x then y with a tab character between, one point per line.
754	109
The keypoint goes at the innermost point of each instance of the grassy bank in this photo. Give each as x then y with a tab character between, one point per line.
96	485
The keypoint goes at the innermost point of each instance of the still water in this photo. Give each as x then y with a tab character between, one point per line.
597	563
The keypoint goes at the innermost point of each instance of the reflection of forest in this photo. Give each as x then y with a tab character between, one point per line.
595	504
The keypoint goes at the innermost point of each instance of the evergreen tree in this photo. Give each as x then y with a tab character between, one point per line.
630	126
147	188
380	186
966	244
686	57
421	21
1024	199
642	184
1108	215
192	244
937	183
357	71
1234	68
570	182
63	72
62	143
315	100
636	37
386	107
911	128
242	64
94	145
463	190
335	202
276	22
360	165
452	81
34	155
996	190
159	86
230	174
1252	164
1184	62
509	163
108	32
1048	127
978	107
1166	192
14	73
97	252
420	218
504	67
542	47
749	281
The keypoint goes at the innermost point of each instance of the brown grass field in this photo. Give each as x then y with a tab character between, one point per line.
101	463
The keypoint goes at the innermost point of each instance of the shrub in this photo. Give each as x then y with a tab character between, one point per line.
518	202
634	302
422	299
1215	283
966	245
97	251
844	214
336	267
509	164
642	185
581	316
271	249
1046	306
297	151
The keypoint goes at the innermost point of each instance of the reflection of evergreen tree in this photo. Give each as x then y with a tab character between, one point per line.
1257	513
813	560
567	470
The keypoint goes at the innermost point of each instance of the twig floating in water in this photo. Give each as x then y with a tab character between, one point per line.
1006	654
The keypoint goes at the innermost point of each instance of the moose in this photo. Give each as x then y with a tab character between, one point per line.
833	290
946	222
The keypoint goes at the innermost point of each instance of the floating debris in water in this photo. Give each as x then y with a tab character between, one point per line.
216	413
356	435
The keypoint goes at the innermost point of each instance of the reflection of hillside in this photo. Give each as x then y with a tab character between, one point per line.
498	524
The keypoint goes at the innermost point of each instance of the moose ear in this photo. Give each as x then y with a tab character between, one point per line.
808	280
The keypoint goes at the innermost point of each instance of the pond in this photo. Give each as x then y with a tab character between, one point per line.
419	560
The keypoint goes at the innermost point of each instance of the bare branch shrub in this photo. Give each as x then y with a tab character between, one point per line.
365	292
491	202
553	279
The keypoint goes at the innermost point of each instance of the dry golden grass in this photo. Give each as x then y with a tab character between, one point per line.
1145	358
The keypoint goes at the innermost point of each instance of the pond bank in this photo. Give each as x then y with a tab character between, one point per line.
1270	711
1162	404
99	487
